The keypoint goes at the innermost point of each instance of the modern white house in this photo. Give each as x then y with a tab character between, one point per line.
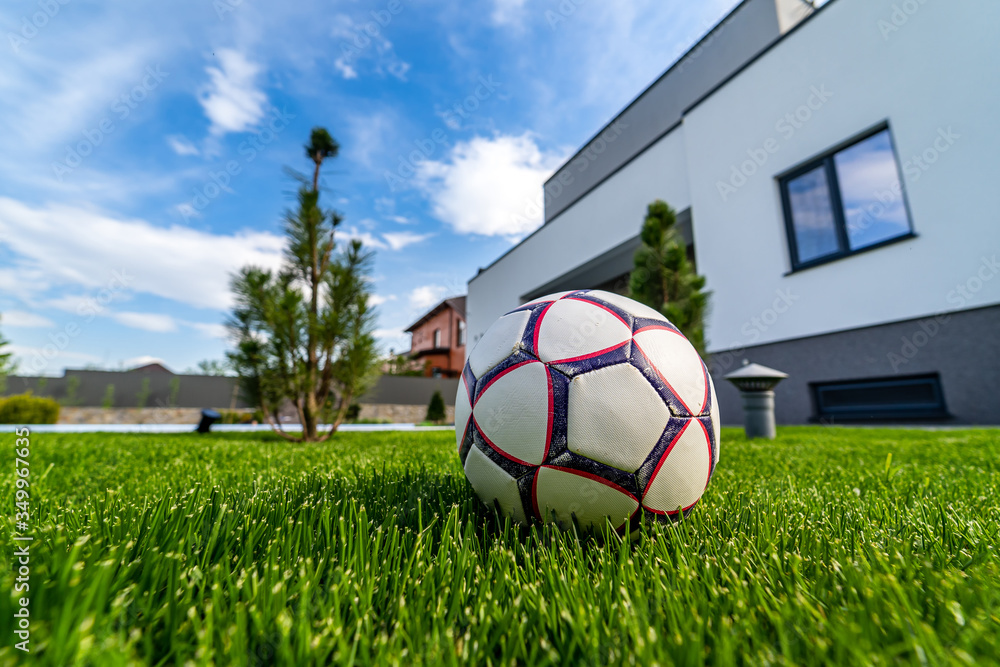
836	172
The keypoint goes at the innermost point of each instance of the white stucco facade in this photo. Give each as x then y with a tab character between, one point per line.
933	78
926	67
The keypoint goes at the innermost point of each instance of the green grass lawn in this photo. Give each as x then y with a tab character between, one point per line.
372	549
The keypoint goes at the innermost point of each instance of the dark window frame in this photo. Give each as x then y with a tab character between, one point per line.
825	159
937	411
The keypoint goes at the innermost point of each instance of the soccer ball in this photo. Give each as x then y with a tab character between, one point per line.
586	407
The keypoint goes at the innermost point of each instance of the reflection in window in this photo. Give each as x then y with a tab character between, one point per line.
852	197
812	215
871	192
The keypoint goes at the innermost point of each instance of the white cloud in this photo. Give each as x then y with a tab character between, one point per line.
182	146
378	299
399	240
508	12
387	241
155	322
185	265
401	219
425	296
491	187
396	340
210	329
87	304
345	68
21	318
367	238
48	360
187	211
356	44
369	133
232	101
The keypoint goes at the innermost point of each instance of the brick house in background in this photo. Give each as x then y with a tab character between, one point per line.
438	339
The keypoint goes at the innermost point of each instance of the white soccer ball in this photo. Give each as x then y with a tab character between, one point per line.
584	408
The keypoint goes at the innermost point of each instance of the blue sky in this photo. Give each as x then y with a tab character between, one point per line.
144	147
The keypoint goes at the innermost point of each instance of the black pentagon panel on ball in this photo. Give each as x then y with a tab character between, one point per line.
663	388
645	472
509	464
516	359
470	382
640	323
620	313
467	442
616	355
573	461
559	384
525	486
706	423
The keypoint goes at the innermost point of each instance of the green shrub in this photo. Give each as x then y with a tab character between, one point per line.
28	409
238	417
435	411
108	401
143	394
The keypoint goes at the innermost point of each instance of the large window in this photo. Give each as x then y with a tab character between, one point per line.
848	200
437	338
461	333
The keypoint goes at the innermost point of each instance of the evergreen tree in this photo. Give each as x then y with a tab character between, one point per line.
304	334
664	278
435	410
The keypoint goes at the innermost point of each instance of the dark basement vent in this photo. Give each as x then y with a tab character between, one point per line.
911	397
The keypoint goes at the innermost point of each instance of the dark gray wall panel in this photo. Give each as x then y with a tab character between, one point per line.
963	347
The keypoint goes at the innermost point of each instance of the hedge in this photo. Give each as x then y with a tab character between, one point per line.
28	409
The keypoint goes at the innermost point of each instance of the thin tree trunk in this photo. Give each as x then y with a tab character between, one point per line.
275	427
345	404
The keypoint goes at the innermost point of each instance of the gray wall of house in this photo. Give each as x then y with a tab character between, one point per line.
405	390
207	391
961	347
193	391
744	33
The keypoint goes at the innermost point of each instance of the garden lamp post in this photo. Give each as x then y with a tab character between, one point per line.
756	384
